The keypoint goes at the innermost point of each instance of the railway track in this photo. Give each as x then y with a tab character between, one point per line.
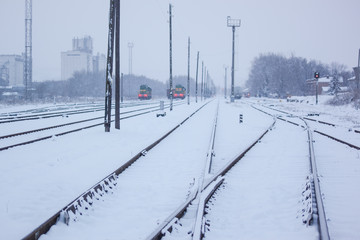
207	184
133	113
290	118
200	196
24	116
315	211
198	201
69	212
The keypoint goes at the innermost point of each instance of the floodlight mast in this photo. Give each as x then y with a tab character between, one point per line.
233	23
28	47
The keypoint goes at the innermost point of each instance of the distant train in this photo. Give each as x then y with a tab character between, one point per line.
145	92
178	92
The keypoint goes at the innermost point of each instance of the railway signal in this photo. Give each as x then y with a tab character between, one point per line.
317	76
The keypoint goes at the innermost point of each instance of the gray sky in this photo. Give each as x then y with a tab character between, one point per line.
321	30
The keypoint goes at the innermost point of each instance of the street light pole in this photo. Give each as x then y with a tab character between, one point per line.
233	23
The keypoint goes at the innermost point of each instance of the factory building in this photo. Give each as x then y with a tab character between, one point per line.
81	58
12	70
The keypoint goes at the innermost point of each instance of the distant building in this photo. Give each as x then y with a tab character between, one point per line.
81	58
354	81
78	59
83	44
99	62
323	85
12	70
74	61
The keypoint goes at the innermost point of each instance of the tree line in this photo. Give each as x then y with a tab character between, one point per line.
92	84
276	75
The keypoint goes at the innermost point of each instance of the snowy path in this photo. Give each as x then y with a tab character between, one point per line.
261	196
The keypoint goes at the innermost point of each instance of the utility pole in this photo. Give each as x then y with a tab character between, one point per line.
225	81
202	79
110	56
28	47
130	46
233	23
358	76
207	84
122	88
204	87
188	77
117	64
170	59
196	83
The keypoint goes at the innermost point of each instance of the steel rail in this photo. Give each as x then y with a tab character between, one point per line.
71	131
59	114
322	222
316	131
167	224
209	188
71	123
48	115
338	140
311	119
46	109
203	196
98	189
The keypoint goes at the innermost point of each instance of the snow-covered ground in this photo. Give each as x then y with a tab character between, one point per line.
262	192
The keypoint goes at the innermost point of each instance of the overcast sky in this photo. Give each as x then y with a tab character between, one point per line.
324	30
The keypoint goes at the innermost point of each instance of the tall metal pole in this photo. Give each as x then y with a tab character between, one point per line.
202	80
225	82
358	75
109	68
122	88
232	65
233	23
130	46
170	42
317	87
207	84
117	64
188	77
28	47
204	87
196	83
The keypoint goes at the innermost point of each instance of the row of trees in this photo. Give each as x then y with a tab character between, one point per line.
84	84
276	75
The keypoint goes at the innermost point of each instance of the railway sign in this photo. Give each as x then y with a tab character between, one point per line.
316	75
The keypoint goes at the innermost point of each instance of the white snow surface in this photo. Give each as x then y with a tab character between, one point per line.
261	197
